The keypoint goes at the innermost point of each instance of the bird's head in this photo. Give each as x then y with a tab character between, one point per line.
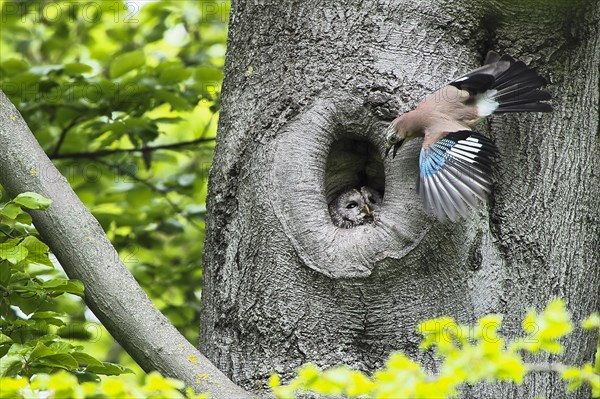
395	135
405	127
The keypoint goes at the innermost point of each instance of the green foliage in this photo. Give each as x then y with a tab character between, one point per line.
65	385
469	354
545	329
124	98
30	320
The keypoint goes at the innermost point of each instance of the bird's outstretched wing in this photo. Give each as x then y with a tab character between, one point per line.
507	85
455	173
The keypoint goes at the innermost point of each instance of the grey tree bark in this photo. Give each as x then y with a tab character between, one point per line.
309	87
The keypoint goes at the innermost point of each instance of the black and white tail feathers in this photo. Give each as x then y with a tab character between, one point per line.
505	85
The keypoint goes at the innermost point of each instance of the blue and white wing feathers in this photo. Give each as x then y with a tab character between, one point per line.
455	174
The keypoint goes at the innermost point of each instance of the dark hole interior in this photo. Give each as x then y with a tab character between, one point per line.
353	163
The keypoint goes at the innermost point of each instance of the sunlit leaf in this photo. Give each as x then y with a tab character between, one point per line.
77	68
32	201
126	62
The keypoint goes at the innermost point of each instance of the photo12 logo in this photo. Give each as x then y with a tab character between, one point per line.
71	11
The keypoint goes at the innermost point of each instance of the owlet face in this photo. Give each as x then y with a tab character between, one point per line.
355	207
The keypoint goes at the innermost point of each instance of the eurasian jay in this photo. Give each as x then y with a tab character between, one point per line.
455	162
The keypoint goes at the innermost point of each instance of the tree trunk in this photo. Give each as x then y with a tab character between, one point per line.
309	88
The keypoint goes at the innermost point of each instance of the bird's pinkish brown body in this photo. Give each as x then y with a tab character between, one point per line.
446	110
455	162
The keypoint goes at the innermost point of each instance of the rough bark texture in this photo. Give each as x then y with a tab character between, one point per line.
308	90
86	254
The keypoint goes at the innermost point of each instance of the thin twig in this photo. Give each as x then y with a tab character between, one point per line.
145	149
62	137
104	153
152	187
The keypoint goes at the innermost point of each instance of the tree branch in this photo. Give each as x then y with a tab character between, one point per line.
104	153
79	243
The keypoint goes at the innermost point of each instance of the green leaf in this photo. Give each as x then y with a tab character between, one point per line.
209	75
32	201
5	339
84	358
59	360
109	369
87	377
62	347
45	315
4	348
107	209
5	344
40	350
77	68
14	66
10	210
126	62
59	286
52	318
25	219
38	251
34	245
11	365
12	251
174	74
593	321
5	273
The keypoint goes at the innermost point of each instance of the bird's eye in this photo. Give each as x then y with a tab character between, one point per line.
351	205
371	199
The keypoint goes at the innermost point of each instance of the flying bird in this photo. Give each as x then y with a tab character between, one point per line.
353	207
455	162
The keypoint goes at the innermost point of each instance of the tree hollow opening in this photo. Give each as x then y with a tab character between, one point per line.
353	163
334	145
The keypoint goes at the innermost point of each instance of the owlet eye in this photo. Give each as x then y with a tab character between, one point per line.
351	205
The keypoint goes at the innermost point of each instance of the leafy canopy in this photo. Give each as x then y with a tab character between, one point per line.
125	98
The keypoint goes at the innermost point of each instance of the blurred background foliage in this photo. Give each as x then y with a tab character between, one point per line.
124	97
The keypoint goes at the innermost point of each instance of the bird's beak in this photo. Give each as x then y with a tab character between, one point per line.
396	147
367	210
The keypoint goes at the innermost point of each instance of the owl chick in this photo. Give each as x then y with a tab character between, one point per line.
353	208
